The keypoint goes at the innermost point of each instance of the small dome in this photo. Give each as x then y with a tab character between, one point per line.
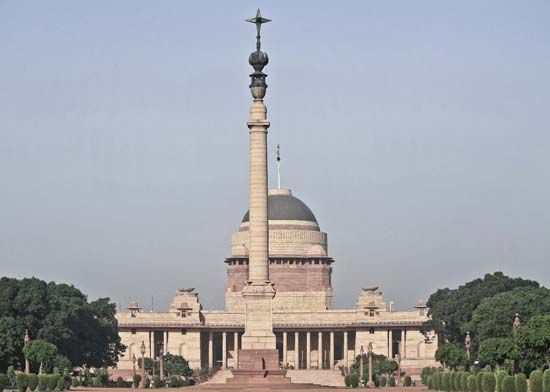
281	205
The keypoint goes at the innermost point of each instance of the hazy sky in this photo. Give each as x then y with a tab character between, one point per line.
417	132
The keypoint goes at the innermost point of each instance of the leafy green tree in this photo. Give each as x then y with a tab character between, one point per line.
42	353
451	355
535	381
534	342
85	332
497	351
493	317
452	309
176	365
488	382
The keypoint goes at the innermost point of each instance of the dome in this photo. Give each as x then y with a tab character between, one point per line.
281	205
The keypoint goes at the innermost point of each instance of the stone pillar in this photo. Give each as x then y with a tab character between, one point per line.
210	349
224	350
236	349
284	349
389	344
151	353
296	350
308	350
402	344
320	351
331	359
165	342
346	348
405	344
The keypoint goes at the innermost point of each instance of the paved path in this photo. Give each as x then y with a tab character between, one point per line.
259	388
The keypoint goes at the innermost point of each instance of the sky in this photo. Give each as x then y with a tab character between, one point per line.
416	131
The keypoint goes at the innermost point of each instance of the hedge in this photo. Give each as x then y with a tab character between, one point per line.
430	383
472	383
435	381
33	382
22	381
521	382
546	381
136	378
60	384
509	384
52	381
464	381
42	382
452	378
354	380
391	382
489	382
408	381
383	381
2	382
500	377
445	382
535	381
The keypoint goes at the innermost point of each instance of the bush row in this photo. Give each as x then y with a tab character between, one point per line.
487	381
32	382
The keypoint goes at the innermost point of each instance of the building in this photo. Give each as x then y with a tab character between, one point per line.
310	332
279	297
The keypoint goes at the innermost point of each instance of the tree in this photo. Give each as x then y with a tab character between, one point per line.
42	353
534	342
497	352
176	365
85	332
452	309
451	355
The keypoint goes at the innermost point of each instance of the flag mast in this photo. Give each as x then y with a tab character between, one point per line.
278	166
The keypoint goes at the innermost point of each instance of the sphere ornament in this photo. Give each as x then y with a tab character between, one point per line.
258	60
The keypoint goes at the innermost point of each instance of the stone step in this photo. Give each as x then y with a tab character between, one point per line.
220	377
331	378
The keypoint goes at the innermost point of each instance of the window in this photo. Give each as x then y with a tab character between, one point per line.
183	331
371	331
371	312
133	331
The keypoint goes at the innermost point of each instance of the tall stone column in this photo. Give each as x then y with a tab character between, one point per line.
308	350
164	342
403	343
236	349
320	350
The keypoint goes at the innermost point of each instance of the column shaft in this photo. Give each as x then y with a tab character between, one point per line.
320	351
346	348
236	349
308	350
224	350
296	351
284	348
165	342
331	359
389	344
210	349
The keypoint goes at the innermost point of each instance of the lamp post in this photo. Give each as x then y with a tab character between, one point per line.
26	340
161	362
370	383
142	384
398	360
361	354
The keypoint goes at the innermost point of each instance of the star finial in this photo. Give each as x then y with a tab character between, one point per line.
258	20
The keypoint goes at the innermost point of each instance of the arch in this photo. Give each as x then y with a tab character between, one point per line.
181	350
131	351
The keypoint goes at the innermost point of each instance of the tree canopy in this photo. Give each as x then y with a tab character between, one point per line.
533	340
451	355
84	332
41	352
452	309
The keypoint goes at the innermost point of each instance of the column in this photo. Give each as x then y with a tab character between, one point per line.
210	349
224	350
236	349
284	349
320	351
308	350
164	342
296	351
389	344
405	344
331	359
402	344
151	353
346	348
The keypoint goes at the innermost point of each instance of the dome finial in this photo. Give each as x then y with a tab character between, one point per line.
258	60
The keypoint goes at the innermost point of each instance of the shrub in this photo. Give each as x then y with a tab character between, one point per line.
535	381
156	382
136	378
500	377
60	384
472	383
521	382
408	381
33	382
430	383
22	381
10	374
354	380
347	380
546	381
464	381
52	381
391	381
508	384
2	382
489	382
437	381
452	377
120	382
75	383
458	382
445	382
147	382
383	381
42	382
479	381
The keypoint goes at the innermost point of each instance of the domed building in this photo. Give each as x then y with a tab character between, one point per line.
299	266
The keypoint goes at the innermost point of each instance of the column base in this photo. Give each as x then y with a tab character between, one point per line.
259	367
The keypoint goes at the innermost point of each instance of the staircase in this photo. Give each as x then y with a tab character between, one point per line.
220	377
329	378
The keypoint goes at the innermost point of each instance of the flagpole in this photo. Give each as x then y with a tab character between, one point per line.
278	153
